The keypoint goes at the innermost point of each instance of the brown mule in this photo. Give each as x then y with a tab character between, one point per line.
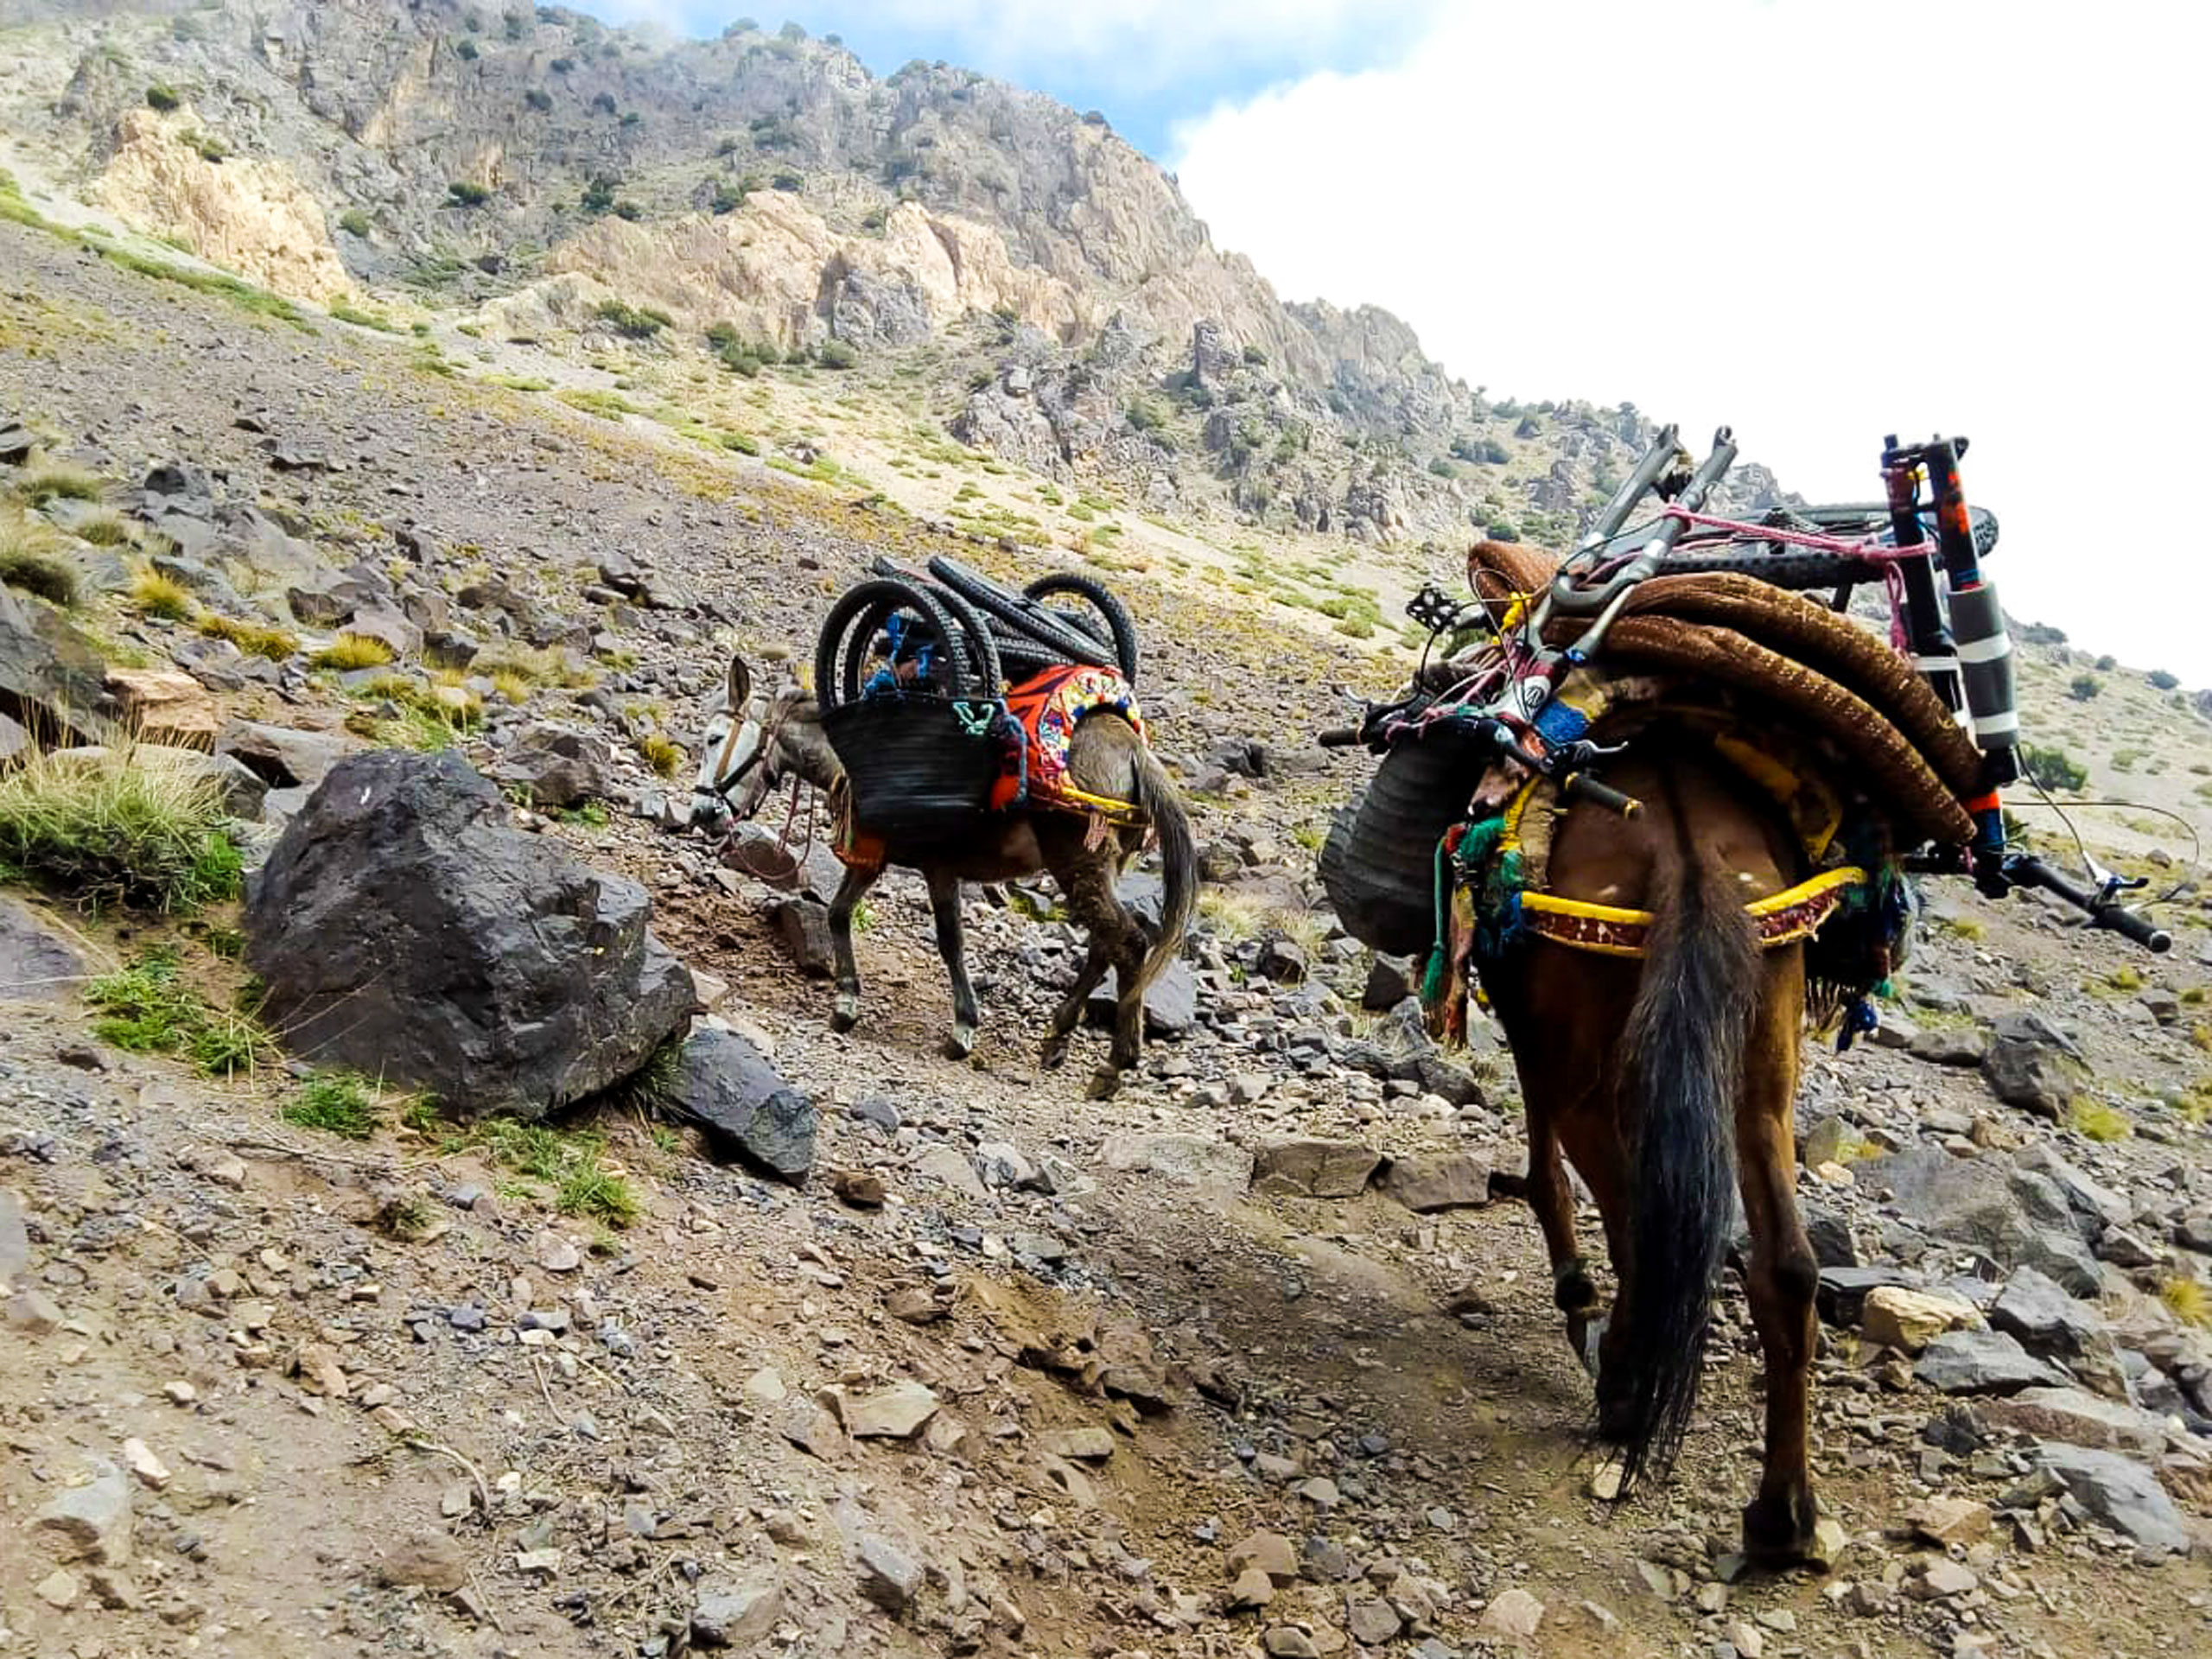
1662	1080
761	739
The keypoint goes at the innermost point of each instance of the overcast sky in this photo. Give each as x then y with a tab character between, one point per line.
1819	221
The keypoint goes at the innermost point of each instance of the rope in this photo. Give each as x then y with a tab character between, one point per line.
1859	547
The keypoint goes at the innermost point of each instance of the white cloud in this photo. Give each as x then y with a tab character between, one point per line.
1820	222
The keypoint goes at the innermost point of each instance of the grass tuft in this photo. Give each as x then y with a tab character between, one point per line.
352	650
146	1009
133	824
161	597
2095	1120
2188	1300
57	481
31	559
572	1163
336	1103
254	639
662	753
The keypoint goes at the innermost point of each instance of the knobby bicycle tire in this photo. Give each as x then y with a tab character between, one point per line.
1023	615
1121	629
837	668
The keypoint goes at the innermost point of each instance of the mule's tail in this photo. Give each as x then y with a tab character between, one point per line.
1178	858
1685	1042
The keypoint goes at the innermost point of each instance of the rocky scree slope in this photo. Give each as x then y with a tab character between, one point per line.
1048	283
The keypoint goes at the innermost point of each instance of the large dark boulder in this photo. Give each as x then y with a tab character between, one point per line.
405	928
52	678
729	1092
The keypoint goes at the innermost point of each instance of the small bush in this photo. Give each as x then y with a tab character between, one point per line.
349	651
210	149
2095	1120
2107	664
163	97
787	181
634	322
728	198
2082	687
663	755
134	825
627	209
254	639
836	354
2188	1300
336	1104
31	559
2053	768
2160	680
1503	530
106	528
466	51
466	192
162	598
598	194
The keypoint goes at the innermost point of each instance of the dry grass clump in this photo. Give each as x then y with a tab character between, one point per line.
133	824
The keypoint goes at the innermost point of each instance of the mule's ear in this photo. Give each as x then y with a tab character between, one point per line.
741	685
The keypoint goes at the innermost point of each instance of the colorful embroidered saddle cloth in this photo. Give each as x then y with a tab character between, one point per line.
1046	710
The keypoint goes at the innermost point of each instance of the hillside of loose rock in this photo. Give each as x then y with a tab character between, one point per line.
806	1343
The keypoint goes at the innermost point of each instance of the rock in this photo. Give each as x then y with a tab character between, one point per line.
1389	981
1512	1615
1945	1521
1191	1160
1288	1642
1371	1620
406	929
2081	1418
1944	1579
556	1253
92	1521
1830	1234
949	1167
428	1559
557	766
2125	1248
1910	1319
37	963
888	1577
862	1188
728	1089
1253	1588
1841	1293
2123	1494
1982	1361
803	927
1966	1048
32	1312
1428	1182
2037	1310
50	675
2089	1197
1267	1551
1087	1444
1313	1169
2031	1065
15	1237
735	1615
59	1588
400	633
1171	1002
147	1470
2013	1217
898	1412
280	757
1281	960
161	705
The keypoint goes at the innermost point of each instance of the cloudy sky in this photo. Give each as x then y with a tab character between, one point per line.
1818	221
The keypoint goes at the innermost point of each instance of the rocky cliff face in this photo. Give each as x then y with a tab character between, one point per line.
531	166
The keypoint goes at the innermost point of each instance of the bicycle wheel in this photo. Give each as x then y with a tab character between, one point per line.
1121	631
851	626
1023	615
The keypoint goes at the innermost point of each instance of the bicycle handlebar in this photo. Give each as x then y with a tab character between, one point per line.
2024	870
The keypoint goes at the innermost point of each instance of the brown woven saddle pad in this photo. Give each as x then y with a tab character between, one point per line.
1814	666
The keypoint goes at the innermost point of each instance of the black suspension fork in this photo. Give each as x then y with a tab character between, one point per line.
1934	652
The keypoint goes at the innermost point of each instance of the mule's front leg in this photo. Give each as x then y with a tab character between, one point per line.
1069	1014
1574	1290
845	1013
944	908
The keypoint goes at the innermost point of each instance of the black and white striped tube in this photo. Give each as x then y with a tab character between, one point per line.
1985	663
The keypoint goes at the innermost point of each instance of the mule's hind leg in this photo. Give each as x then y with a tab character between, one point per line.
1549	1197
945	909
1088	877
1069	1014
845	1013
1778	1524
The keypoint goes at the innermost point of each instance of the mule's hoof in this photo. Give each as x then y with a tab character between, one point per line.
1591	1340
1780	1535
960	1044
845	1014
1054	1054
1103	1082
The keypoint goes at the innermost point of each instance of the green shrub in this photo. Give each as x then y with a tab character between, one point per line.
635	322
466	192
58	481
132	824
598	194
627	209
31	559
354	222
211	149
349	651
336	1103
787	181
540	101
466	51
163	97
836	354
2053	768
2082	687
2162	681
163	598
1503	530
254	639
728	198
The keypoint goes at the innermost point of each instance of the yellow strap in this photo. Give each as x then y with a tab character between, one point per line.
1118	812
1849	876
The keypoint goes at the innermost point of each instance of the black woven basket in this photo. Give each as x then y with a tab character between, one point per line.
1378	865
916	770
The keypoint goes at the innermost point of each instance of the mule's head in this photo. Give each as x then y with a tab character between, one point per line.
736	762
